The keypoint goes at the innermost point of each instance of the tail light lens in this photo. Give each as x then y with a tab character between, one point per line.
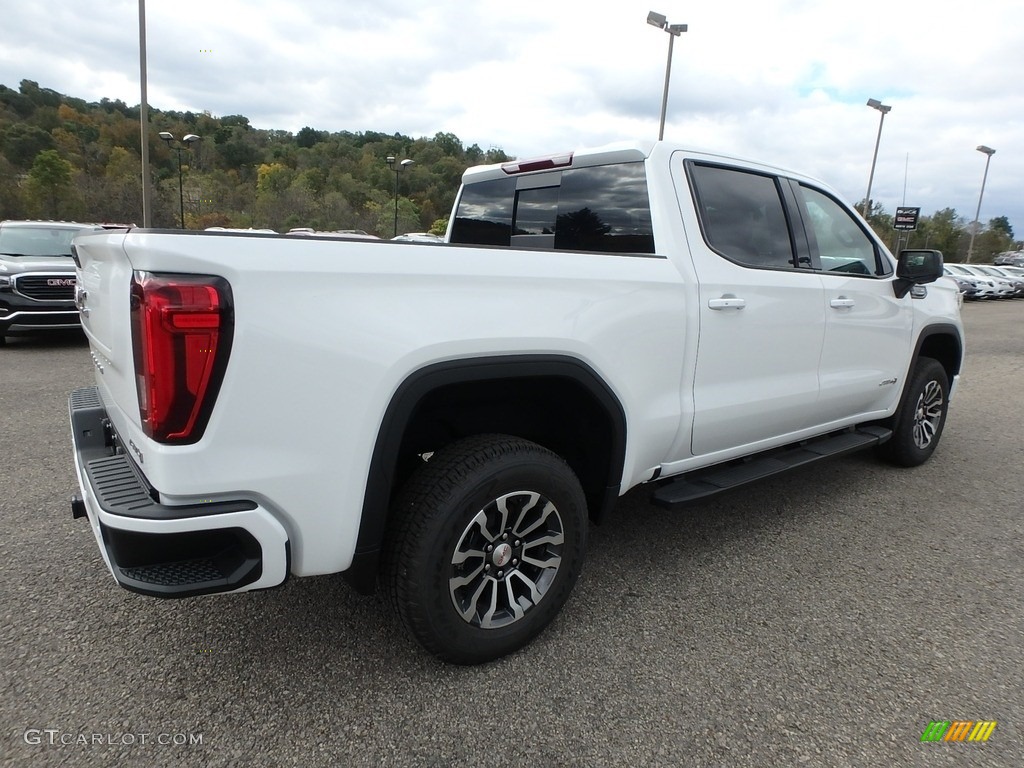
181	337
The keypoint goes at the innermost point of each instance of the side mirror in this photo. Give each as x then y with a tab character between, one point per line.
916	267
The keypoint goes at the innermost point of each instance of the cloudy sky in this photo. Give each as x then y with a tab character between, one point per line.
782	81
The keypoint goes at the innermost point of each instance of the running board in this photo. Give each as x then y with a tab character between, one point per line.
702	483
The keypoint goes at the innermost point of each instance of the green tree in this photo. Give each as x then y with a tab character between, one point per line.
991	241
120	192
42	97
946	233
12	199
307	137
273	178
21	143
18	103
449	144
50	181
1001	224
880	221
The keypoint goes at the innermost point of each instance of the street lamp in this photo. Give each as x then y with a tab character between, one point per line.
147	187
875	104
397	169
974	227
674	31
184	144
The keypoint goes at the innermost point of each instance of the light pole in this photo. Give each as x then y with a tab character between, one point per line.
974	227
147	187
884	109
674	31
184	144
397	169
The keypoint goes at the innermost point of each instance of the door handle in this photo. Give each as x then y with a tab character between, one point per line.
727	302
841	303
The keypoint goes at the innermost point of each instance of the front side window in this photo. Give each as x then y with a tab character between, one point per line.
603	209
742	216
842	245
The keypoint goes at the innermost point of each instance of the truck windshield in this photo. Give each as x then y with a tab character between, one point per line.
36	241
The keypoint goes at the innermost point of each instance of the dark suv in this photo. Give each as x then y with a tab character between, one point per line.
37	275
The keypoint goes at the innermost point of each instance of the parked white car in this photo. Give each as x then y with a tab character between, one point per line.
985	285
1017	280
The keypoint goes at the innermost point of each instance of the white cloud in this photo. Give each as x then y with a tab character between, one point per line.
784	81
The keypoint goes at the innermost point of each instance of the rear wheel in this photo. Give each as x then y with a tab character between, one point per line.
485	544
918	424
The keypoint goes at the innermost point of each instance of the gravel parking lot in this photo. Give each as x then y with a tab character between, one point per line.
821	618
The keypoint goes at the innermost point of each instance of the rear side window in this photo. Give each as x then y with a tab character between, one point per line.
742	216
485	213
603	209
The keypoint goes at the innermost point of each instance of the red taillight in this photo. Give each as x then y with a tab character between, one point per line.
181	337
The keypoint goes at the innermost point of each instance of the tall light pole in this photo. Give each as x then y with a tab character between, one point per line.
147	187
674	31
184	145
974	227
397	169
884	109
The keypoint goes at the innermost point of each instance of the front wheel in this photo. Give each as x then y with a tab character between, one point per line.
485	544
918	424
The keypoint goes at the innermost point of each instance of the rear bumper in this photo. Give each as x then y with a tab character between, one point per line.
162	550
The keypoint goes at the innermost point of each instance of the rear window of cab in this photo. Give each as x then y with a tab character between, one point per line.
603	209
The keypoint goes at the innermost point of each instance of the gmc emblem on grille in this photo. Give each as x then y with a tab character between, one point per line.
60	281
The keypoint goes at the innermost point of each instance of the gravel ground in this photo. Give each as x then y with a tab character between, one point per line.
821	618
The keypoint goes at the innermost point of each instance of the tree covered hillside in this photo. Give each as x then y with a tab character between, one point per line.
64	158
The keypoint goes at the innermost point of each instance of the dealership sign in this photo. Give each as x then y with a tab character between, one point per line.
906	218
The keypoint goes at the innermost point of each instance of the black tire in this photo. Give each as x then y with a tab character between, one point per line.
485	543
918	424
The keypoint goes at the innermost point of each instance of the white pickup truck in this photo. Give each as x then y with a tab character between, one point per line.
447	419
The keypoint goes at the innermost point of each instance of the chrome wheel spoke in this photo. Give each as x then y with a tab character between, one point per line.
531	502
471	609
928	415
547	511
551	562
554	538
459	582
514	604
462	556
535	593
501	569
481	522
502	506
487	620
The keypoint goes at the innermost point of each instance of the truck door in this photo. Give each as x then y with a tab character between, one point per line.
762	312
868	331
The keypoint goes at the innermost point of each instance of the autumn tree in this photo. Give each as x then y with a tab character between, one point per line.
49	182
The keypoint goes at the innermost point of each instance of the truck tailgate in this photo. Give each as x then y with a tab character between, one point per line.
103	298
